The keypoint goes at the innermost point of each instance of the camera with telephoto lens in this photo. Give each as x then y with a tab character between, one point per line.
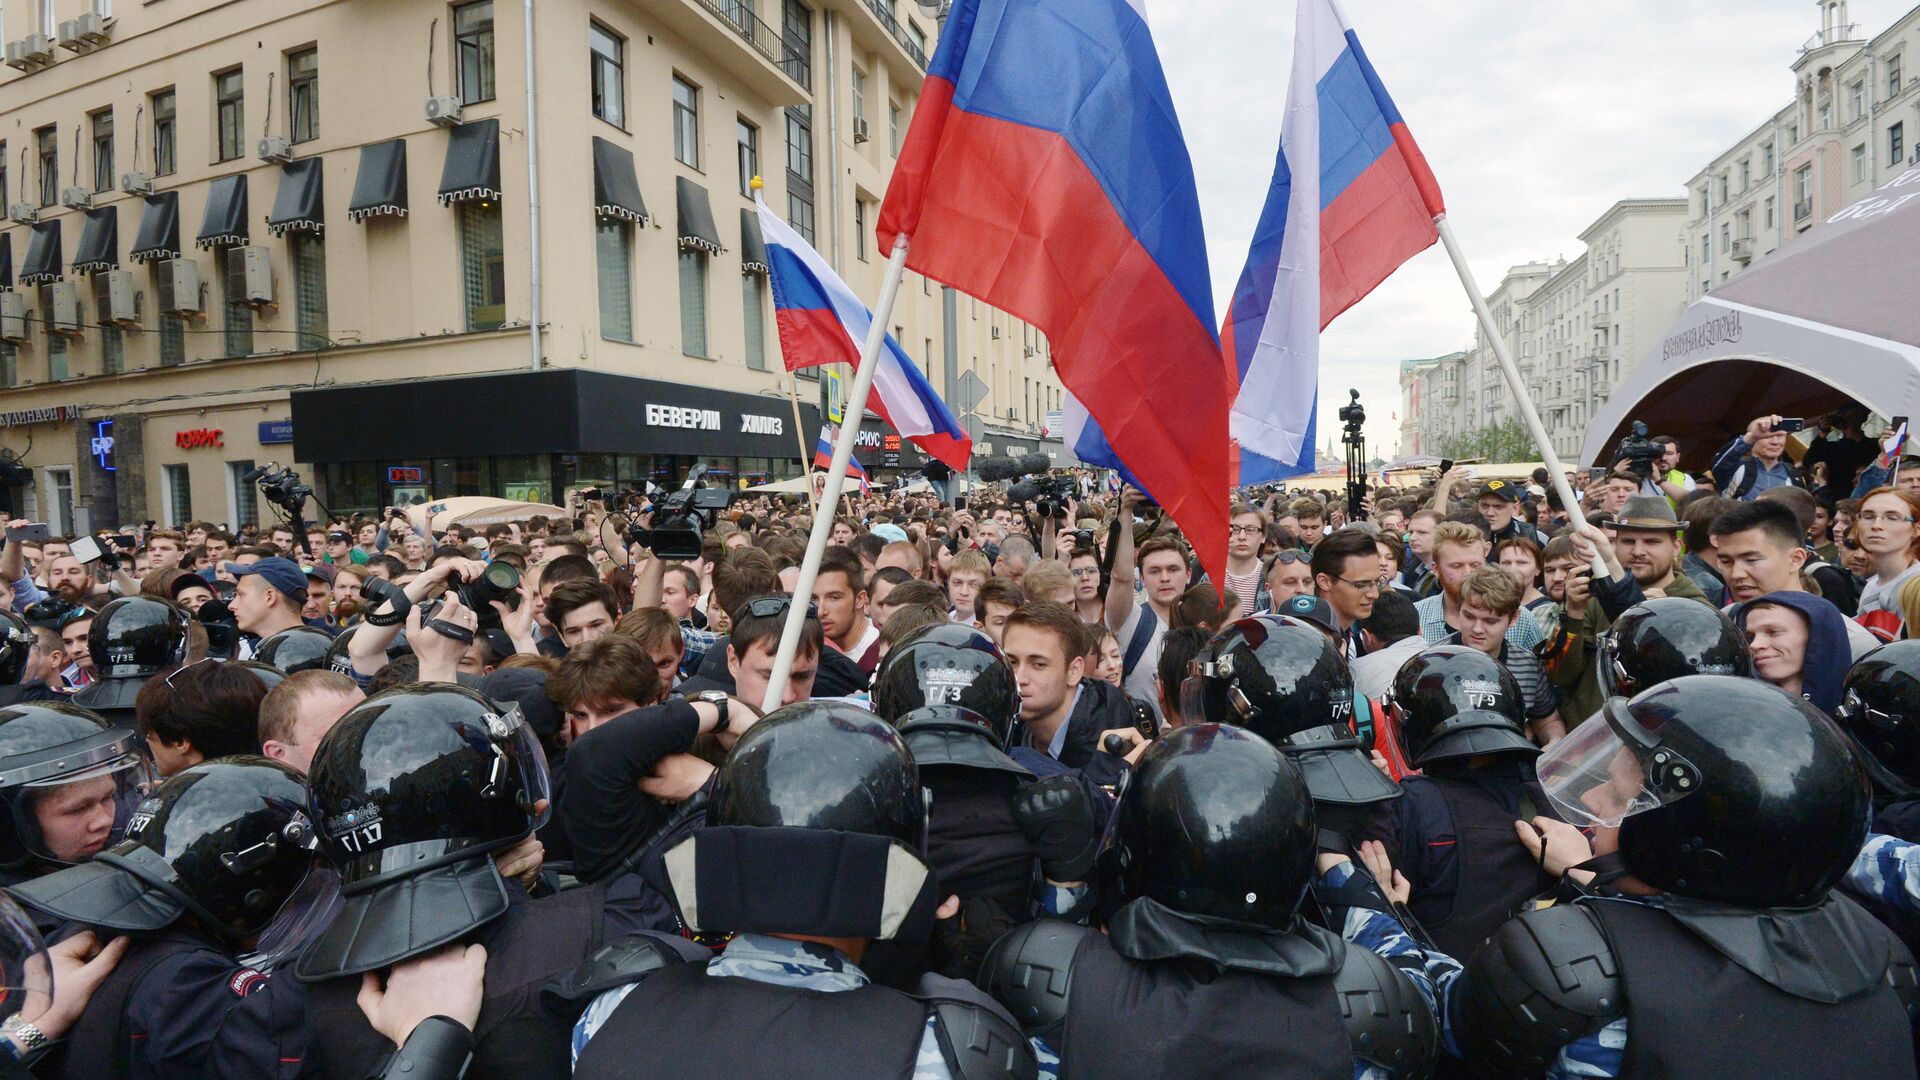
280	485
1640	454
681	518
1049	495
499	581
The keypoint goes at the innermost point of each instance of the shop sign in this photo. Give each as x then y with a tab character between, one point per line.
890	443
404	474
101	445
867	440
676	416
58	414
275	431
200	439
890	461
751	424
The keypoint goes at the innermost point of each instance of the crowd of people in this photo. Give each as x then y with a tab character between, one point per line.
1438	784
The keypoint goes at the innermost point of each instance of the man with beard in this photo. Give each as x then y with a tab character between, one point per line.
1642	558
68	579
1458	550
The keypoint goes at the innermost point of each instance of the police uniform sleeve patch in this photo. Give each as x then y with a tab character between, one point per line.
246	981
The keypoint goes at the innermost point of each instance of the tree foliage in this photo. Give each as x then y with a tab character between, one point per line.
1508	442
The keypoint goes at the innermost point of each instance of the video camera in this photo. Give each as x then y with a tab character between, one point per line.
1641	454
681	517
281	486
1048	493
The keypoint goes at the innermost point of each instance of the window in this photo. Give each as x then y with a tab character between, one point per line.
483	265
178	491
747	147
1726	189
102	150
3	176
613	256
303	95
753	300
9	364
796	34
919	39
1746	173
693	303
860	229
308	254
473	51
230	110
1826	116
800	214
47	140
859	97
56	343
1803	184
1897	144
1793	134
165	151
173	328
1766	160
113	350
893	128
242	502
1726	238
1893	75
686	123
1857	98
1771	219
233	289
800	170
605	53
1858	156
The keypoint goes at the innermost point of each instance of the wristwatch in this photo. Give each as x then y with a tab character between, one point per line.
719	700
30	1039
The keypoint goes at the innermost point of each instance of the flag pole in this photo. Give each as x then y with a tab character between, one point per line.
800	433
836	475
1556	473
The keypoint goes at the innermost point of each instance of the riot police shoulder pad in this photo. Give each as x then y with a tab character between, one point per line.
1030	972
1388	1023
1543	980
619	963
978	1040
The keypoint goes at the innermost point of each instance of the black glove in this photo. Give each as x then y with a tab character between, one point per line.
1060	821
959	945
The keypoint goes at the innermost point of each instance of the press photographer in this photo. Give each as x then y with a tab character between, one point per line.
1654	462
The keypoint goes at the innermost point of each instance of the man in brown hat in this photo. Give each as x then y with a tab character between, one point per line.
1642	557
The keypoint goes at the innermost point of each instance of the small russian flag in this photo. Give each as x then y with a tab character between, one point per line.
823	459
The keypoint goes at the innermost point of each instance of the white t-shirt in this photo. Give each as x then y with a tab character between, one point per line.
1140	681
1885	596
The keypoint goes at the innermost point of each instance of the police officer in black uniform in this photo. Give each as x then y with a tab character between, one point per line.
1880	709
298	648
413	791
16	650
992	830
813	851
1207	966
208	860
1462	722
133	639
1724	813
1667	637
69	783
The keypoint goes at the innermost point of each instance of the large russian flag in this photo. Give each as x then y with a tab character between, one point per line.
822	322
1352	198
1045	173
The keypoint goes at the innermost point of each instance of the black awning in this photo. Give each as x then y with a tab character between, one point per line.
43	254
472	171
297	204
225	221
159	236
381	186
753	245
99	242
696	217
6	260
616	190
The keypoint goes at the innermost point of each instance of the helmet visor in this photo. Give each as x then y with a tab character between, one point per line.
26	976
1598	778
71	818
521	766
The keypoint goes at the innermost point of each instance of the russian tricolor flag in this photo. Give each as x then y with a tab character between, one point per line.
822	322
1352	198
823	459
1045	173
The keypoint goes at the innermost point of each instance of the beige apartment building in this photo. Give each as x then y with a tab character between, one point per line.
397	246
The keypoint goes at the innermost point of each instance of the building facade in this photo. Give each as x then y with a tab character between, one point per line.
1849	127
219	207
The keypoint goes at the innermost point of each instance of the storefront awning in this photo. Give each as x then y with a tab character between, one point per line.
696	217
225	221
381	185
159	235
99	242
43	254
616	190
6	261
472	171
753	246
297	205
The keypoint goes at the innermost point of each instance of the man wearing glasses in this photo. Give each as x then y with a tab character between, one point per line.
1246	528
1346	571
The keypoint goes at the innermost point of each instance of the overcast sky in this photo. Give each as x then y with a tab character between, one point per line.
1535	118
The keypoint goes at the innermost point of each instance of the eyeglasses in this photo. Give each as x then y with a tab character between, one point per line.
1869	517
768	607
1291	555
1245	530
1087	571
1365	586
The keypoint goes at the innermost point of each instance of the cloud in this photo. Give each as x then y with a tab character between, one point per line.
1535	118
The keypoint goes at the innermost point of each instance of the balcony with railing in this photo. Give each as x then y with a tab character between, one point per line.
1838	35
878	28
897	32
759	53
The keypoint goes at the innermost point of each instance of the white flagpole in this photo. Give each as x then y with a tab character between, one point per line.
1556	473
836	475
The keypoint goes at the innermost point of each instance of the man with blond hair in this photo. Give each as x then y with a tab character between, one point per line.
1458	550
1489	605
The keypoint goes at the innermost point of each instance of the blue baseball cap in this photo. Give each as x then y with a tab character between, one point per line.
890	532
1312	609
283	574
